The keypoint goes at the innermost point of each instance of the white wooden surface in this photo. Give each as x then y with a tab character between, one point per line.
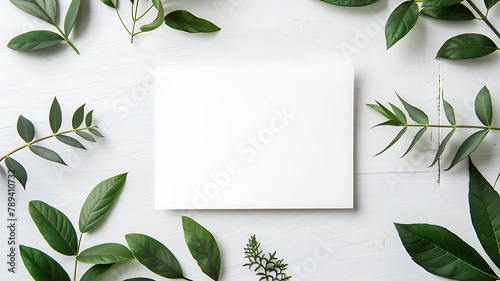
110	76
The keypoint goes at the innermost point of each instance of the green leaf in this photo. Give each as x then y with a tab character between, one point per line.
34	40
139	279
449	112
47	154
456	12
482	104
18	169
158	21
99	201
400	22
96	132
96	272
417	137
351	3
78	116
484	204
399	113
71	14
110	3
442	146
490	3
388	113
185	21
416	114
398	136
468	146
379	109
88	119
154	255
85	136
203	247
108	253
70	141
467	46
43	9
25	129
41	266
440	3
396	123
443	253
55	116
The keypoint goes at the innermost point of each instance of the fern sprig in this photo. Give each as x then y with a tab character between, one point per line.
269	267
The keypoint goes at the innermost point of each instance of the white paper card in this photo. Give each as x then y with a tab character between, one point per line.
255	135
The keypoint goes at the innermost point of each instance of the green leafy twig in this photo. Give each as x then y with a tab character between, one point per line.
396	117
81	126
270	268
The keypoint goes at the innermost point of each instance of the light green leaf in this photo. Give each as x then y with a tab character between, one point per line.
85	136
416	114
417	137
388	113
185	21
443	253
70	141
457	12
96	132
110	3
158	21
484	109
399	113
351	3
88	119
400	22
41	266
442	146
99	201
398	136
55	227
18	169
484	203
47	154
71	14
490	3
154	255
203	247
78	116
440	3
25	129
467	46
449	112
43	9
379	109
34	40
96	272
55	116
468	146
108	253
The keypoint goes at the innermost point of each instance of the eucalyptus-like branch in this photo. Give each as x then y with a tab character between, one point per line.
484	18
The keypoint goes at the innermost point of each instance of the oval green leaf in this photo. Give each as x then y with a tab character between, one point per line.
47	154
158	21
34	40
468	146
185	21
203	247
443	253
484	109
18	169
96	272
398	136
45	10
55	116
467	46
416	114
96	132
71	14
70	141
490	3
85	136
400	22
440	3
449	112
88	119
108	253
417	137
442	146
154	255
99	201
457	12
351	3
78	116
25	129
41	266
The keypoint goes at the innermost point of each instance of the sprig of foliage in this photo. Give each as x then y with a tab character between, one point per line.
81	126
271	268
45	10
464	46
443	253
396	117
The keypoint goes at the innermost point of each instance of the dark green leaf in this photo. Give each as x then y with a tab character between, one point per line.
400	22
440	3
416	114
108	253
88	119
110	3
34	40
154	255
482	104
203	247
139	279
18	169
484	204
70	141
490	3
379	109
78	116
47	154
41	266
399	113
71	14
350	3
158	21
398	136
96	132
449	112
442	146
468	146
85	136
96	272
467	46
25	129
99	201
55	116
417	137
443	253
43	9
185	21
457	12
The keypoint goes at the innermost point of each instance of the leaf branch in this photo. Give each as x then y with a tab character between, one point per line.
484	18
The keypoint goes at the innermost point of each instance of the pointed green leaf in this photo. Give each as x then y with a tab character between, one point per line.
399	113
185	21
449	112
41	266
88	119
468	146
47	154
108	253
379	109
70	141
351	3
456	12
416	114
390	123
34	40
442	146
96	272
55	227
389	113
154	255
490	3
484	109
203	247
398	136
443	253
139	279
158	21
25	129
96	132
55	116
467	46
111	3
484	204
18	169
43	9
85	135
71	14
400	22
78	116
99	201
417	137
440	3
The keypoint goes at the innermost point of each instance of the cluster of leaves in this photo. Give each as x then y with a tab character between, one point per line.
443	253
396	117
268	268
45	10
81	126
59	233
405	16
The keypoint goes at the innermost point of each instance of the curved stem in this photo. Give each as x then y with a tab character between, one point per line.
134	19
67	39
484	18
77	253
147	11
121	20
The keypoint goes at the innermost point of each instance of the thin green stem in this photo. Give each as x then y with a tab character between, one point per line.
76	256
484	18
147	11
121	20
66	39
452	126
134	19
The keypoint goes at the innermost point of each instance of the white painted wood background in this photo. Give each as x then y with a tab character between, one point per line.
359	244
